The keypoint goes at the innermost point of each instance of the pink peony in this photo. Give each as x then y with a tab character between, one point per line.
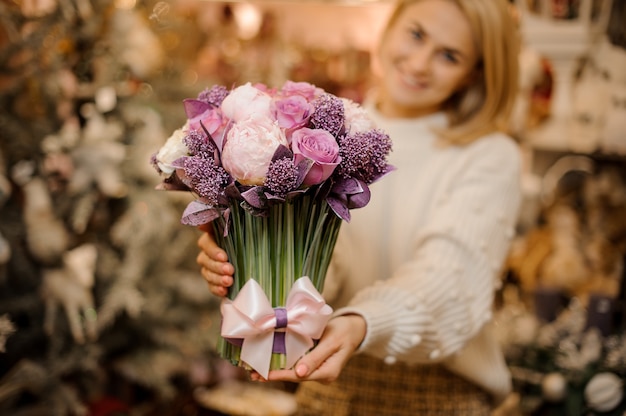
291	112
245	101
249	147
319	146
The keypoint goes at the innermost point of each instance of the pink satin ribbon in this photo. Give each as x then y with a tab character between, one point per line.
250	316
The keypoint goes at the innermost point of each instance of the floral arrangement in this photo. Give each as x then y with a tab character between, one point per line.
275	171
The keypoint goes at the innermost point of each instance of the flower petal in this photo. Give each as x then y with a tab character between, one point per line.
359	199
282	151
347	186
303	169
388	169
253	197
198	213
194	108
339	207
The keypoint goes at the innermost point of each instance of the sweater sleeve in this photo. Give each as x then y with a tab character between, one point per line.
443	295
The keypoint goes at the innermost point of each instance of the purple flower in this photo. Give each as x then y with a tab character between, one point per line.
198	144
347	194
319	146
205	177
291	112
328	114
282	177
364	155
214	95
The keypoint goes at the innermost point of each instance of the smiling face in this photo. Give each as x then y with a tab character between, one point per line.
427	54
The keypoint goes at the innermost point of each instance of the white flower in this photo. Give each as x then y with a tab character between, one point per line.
357	118
249	148
173	149
245	101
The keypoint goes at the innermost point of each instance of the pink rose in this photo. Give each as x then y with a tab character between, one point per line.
212	120
244	101
249	147
291	112
262	87
319	146
304	89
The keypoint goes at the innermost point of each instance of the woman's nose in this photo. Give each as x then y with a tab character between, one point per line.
420	59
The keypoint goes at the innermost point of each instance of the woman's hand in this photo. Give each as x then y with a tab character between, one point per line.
213	262
340	339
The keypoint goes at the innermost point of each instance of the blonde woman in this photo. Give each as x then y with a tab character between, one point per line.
414	273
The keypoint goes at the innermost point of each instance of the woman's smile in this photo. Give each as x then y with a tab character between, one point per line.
427	56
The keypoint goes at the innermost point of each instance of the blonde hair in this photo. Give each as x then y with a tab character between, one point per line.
485	105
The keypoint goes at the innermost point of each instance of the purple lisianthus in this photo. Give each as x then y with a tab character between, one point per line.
363	155
328	114
319	146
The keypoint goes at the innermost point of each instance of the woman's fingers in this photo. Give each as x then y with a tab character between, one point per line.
213	273
214	266
324	363
212	263
321	364
207	243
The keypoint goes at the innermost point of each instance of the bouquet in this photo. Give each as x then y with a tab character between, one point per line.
275	172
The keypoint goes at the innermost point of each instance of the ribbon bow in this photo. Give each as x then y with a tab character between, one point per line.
250	316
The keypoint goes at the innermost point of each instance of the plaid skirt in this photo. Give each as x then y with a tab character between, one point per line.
369	387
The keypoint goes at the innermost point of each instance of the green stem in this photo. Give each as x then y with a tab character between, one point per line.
295	239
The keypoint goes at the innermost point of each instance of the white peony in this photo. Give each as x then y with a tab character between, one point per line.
357	118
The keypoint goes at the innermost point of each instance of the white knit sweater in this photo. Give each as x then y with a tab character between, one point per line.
422	260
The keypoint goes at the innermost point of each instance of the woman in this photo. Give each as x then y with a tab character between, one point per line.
414	273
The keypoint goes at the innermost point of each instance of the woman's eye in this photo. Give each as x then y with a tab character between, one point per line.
449	56
417	34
